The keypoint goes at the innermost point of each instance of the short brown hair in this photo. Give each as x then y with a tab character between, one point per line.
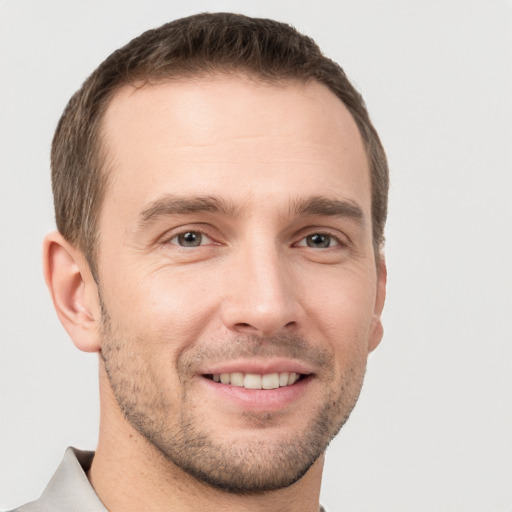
197	45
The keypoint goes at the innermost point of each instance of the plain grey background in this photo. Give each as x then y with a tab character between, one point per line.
433	428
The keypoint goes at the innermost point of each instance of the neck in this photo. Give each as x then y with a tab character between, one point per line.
129	474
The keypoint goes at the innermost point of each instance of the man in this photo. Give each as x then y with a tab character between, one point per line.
220	197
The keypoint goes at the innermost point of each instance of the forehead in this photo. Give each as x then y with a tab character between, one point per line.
230	135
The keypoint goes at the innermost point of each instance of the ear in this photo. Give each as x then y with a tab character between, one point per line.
74	291
377	331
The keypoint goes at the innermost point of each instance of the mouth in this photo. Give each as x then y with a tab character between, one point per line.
256	381
258	386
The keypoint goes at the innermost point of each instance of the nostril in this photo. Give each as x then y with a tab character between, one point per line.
244	326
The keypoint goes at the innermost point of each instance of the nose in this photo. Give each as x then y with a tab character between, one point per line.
260	294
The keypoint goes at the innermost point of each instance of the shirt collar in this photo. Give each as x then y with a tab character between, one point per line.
69	488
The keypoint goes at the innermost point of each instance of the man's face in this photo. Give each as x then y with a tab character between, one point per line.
236	253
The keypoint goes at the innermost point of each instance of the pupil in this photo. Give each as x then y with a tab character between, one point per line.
190	239
319	240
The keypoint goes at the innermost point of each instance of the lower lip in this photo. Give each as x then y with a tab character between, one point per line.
261	400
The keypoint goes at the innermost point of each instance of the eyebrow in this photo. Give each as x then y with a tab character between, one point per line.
178	205
171	204
328	207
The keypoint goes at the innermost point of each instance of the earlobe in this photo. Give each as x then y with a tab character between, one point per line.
377	331
73	291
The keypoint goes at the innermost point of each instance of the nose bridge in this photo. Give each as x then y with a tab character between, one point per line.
261	299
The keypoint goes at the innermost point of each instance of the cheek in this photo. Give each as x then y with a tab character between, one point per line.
342	307
164	306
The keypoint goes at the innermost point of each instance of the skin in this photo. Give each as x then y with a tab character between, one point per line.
258	293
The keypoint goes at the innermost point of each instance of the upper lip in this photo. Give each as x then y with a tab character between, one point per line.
258	367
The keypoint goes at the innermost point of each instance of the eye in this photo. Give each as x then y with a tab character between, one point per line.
190	239
319	241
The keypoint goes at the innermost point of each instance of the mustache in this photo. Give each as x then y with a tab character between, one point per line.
250	346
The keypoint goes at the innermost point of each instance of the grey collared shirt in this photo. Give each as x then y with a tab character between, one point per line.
69	490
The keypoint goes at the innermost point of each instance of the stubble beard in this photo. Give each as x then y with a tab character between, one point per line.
240	466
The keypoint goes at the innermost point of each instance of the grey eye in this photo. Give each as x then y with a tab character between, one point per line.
318	240
189	239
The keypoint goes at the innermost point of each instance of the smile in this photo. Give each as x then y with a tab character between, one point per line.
257	381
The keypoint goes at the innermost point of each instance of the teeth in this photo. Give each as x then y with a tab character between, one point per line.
252	381
237	379
292	378
270	381
255	381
